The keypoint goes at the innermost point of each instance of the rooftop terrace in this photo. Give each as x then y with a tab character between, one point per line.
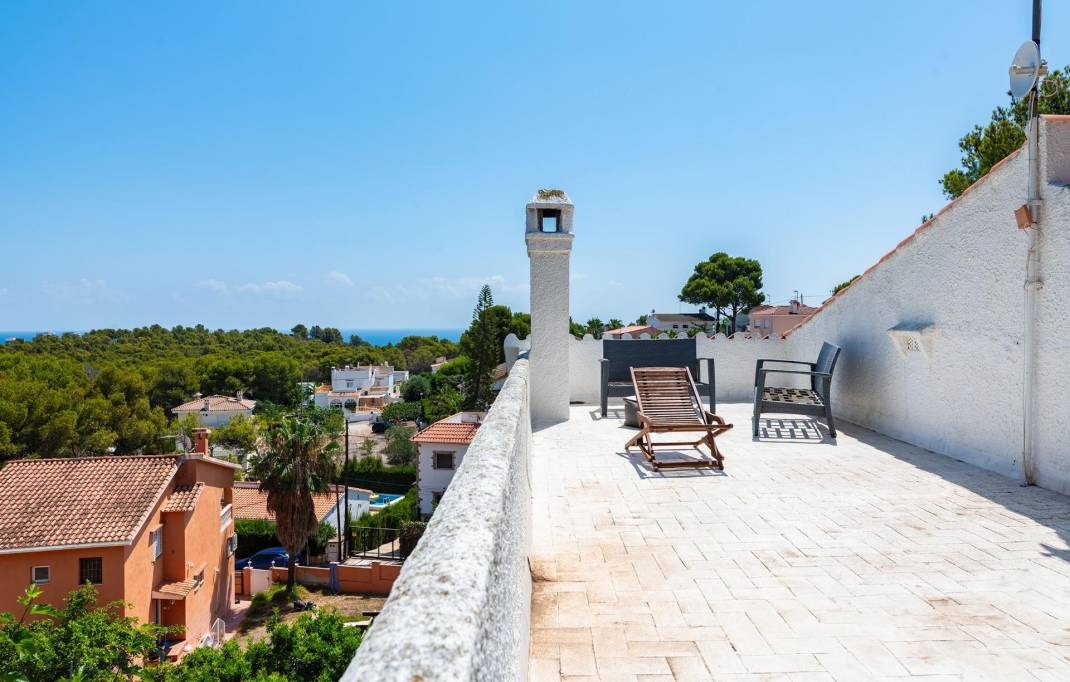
856	559
904	548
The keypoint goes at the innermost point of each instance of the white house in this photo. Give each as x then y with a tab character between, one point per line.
359	390
216	410
442	449
680	322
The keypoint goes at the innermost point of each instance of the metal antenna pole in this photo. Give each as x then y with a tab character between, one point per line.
1033	281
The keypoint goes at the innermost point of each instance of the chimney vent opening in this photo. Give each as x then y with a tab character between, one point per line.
549	220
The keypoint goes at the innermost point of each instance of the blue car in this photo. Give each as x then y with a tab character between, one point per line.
264	558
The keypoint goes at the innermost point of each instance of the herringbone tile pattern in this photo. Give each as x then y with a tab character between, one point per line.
864	559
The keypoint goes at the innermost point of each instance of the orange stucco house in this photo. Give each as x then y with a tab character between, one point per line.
155	532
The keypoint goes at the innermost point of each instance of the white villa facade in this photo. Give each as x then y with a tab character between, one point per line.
442	449
680	322
216	410
360	390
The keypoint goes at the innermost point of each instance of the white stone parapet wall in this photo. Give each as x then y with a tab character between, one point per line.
734	360
461	608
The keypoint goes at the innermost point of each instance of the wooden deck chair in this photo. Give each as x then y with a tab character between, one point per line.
669	403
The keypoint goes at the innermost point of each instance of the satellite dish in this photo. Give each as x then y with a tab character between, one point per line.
1025	69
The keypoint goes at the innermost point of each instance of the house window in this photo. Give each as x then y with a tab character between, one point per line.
224	517
156	541
676	326
232	544
91	570
40	575
442	460
436	497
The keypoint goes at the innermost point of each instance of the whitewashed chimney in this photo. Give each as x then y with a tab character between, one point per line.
548	235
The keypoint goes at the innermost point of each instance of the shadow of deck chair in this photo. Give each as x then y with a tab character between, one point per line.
668	402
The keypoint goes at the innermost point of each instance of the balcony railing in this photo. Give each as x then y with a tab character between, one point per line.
461	608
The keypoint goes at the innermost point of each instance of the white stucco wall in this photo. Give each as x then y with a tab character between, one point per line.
963	274
461	608
215	417
358	506
434	480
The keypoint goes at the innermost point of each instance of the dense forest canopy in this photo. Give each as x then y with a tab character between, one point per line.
81	394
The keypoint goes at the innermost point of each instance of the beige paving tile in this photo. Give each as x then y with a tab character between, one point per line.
861	559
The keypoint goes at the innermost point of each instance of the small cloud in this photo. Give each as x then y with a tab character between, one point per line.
214	285
3	292
443	288
277	289
340	278
577	276
85	292
614	283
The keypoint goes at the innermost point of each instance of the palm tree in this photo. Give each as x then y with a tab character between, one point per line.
299	460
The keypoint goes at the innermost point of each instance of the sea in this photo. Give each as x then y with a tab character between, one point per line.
376	337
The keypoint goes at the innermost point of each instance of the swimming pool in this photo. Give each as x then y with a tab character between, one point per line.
379	500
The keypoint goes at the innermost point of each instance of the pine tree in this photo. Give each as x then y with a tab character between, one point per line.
481	345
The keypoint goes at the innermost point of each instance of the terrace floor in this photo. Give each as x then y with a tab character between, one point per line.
808	559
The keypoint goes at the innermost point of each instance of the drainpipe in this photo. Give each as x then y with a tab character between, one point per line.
1033	282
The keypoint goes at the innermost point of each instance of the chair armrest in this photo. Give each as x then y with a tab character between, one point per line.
711	418
791	362
773	370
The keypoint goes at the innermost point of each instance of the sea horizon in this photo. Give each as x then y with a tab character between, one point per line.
376	337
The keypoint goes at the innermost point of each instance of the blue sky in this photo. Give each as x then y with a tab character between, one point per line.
367	164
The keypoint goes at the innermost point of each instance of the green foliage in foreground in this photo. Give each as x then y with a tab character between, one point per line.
86	643
81	641
314	647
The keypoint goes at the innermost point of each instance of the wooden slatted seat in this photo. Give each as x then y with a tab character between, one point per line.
669	402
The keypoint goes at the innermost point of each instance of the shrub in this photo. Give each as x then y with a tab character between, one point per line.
400	450
257	534
317	647
410	534
82	640
371	473
402	412
392	516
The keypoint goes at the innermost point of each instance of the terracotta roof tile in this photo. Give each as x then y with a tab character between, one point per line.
184	498
251	503
217	403
79	500
782	310
633	329
458	433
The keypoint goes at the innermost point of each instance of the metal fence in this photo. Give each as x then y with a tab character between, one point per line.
371	542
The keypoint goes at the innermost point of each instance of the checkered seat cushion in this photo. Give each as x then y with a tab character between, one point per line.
796	396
